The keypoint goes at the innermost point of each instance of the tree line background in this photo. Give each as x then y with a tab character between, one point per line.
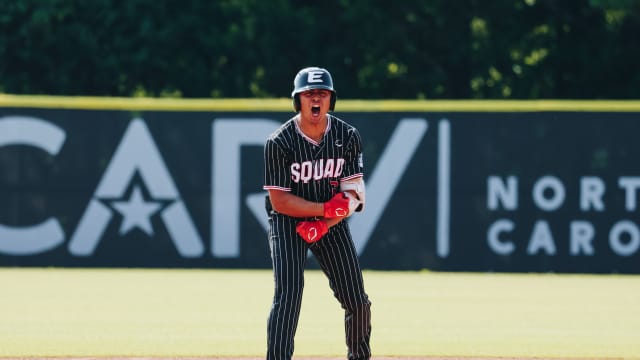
375	49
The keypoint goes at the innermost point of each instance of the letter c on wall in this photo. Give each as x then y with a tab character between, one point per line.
30	131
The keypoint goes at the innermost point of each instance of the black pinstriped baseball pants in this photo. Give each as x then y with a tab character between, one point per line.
338	259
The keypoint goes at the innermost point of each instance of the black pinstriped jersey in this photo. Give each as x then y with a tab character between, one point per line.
298	164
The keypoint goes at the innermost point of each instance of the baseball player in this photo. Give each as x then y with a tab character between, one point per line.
314	176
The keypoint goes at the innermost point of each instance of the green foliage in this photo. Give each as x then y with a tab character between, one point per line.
519	49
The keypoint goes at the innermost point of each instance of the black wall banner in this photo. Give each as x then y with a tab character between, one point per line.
508	191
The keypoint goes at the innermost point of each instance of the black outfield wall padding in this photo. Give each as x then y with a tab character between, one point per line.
501	190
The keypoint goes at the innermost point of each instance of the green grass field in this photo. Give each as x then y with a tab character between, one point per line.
100	312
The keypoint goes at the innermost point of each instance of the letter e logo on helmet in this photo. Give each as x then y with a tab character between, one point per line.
314	76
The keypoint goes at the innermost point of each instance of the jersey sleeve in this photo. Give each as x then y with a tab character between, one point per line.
354	164
277	172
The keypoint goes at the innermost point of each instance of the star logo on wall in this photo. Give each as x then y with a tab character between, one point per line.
136	212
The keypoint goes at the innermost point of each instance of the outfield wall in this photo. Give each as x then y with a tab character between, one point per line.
520	186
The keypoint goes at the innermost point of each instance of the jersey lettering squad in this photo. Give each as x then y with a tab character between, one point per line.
296	163
316	170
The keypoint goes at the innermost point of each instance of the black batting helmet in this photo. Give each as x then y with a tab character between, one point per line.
312	78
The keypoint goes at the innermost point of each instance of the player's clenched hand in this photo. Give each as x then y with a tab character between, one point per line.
341	205
312	231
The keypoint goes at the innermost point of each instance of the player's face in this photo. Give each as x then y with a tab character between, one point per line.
314	104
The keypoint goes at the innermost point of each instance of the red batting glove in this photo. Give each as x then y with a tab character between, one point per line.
312	231
337	207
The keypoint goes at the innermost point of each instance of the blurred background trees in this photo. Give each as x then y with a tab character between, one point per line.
375	49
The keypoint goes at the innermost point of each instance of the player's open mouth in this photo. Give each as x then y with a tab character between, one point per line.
315	110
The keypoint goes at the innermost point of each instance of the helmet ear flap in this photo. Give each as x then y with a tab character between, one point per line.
296	102
333	101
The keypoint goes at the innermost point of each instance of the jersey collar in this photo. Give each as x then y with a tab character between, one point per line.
326	130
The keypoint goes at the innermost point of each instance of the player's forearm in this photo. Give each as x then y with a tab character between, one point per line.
300	210
295	206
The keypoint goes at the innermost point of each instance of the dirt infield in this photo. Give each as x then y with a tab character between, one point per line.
260	358
295	358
